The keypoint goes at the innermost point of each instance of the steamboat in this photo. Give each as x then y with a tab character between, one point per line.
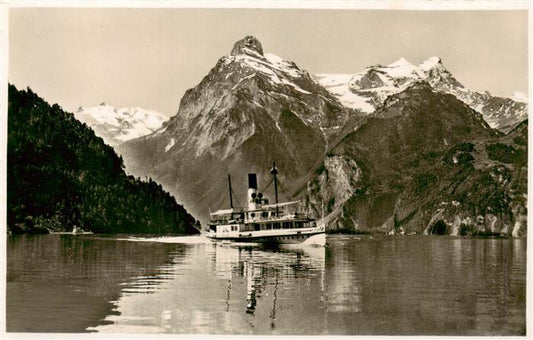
262	222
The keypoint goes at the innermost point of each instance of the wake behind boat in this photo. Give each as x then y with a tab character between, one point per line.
262	222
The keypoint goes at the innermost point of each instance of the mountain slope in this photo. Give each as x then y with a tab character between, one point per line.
366	91
116	126
61	175
388	151
477	187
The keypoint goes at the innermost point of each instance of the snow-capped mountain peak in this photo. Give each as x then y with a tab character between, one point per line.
247	60
402	68
116	126
402	62
366	91
251	106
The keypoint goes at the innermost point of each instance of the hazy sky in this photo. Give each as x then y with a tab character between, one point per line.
149	57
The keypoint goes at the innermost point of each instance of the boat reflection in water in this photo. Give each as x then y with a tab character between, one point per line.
268	273
228	288
253	282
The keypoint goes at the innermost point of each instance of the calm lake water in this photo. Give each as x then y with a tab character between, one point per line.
357	285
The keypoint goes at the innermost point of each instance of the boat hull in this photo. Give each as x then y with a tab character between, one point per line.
314	238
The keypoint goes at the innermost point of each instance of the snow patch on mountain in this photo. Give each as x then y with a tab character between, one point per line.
338	85
430	63
116	126
170	144
519	97
277	69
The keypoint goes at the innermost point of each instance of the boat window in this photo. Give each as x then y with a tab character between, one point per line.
265	214
276	225
257	226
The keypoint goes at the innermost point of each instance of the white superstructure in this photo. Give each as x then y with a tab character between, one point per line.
264	222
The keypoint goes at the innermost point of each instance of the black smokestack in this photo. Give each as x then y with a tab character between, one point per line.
252	181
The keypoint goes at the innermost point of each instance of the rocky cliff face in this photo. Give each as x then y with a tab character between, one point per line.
336	181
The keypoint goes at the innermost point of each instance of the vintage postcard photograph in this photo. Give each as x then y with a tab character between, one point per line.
264	169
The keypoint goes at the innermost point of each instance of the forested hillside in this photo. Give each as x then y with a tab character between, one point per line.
60	175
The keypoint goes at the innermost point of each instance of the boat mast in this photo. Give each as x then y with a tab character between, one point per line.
274	172
230	197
